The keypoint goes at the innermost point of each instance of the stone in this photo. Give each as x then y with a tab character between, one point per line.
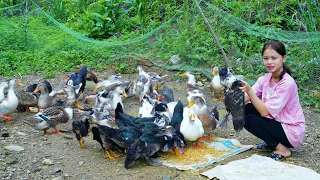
57	178
47	162
81	163
21	134
14	148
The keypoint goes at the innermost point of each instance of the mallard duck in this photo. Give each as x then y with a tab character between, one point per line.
3	85
208	119
29	97
52	116
215	85
191	127
234	100
33	88
10	103
142	84
78	80
26	100
46	97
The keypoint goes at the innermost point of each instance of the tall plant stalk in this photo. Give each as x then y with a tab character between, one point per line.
216	40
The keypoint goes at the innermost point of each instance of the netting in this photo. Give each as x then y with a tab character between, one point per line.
27	27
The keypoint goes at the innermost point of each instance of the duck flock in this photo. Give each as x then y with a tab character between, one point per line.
163	123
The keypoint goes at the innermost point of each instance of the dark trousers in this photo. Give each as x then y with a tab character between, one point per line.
269	130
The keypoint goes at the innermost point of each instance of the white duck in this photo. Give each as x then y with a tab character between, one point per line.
3	85
208	119
111	98
10	103
146	106
191	126
215	85
142	84
192	90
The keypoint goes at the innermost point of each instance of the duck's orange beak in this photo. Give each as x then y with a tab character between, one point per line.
183	74
191	103
20	83
214	72
124	94
95	89
37	90
79	106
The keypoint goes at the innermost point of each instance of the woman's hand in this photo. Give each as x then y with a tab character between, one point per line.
246	88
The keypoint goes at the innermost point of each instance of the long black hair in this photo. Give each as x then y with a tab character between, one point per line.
281	49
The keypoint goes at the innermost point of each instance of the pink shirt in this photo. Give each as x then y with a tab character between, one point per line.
282	102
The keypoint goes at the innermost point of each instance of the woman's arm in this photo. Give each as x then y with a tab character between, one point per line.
257	103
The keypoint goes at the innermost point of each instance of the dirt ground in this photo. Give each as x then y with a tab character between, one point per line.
71	162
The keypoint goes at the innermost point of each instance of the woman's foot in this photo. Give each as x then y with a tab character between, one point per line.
261	146
280	152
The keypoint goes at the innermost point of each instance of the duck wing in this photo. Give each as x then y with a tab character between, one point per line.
55	114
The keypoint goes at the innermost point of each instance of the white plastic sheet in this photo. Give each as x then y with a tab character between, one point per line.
262	168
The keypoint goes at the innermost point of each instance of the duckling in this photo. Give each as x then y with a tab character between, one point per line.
52	116
208	119
191	127
3	85
78	79
142	84
215	85
10	103
81	129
